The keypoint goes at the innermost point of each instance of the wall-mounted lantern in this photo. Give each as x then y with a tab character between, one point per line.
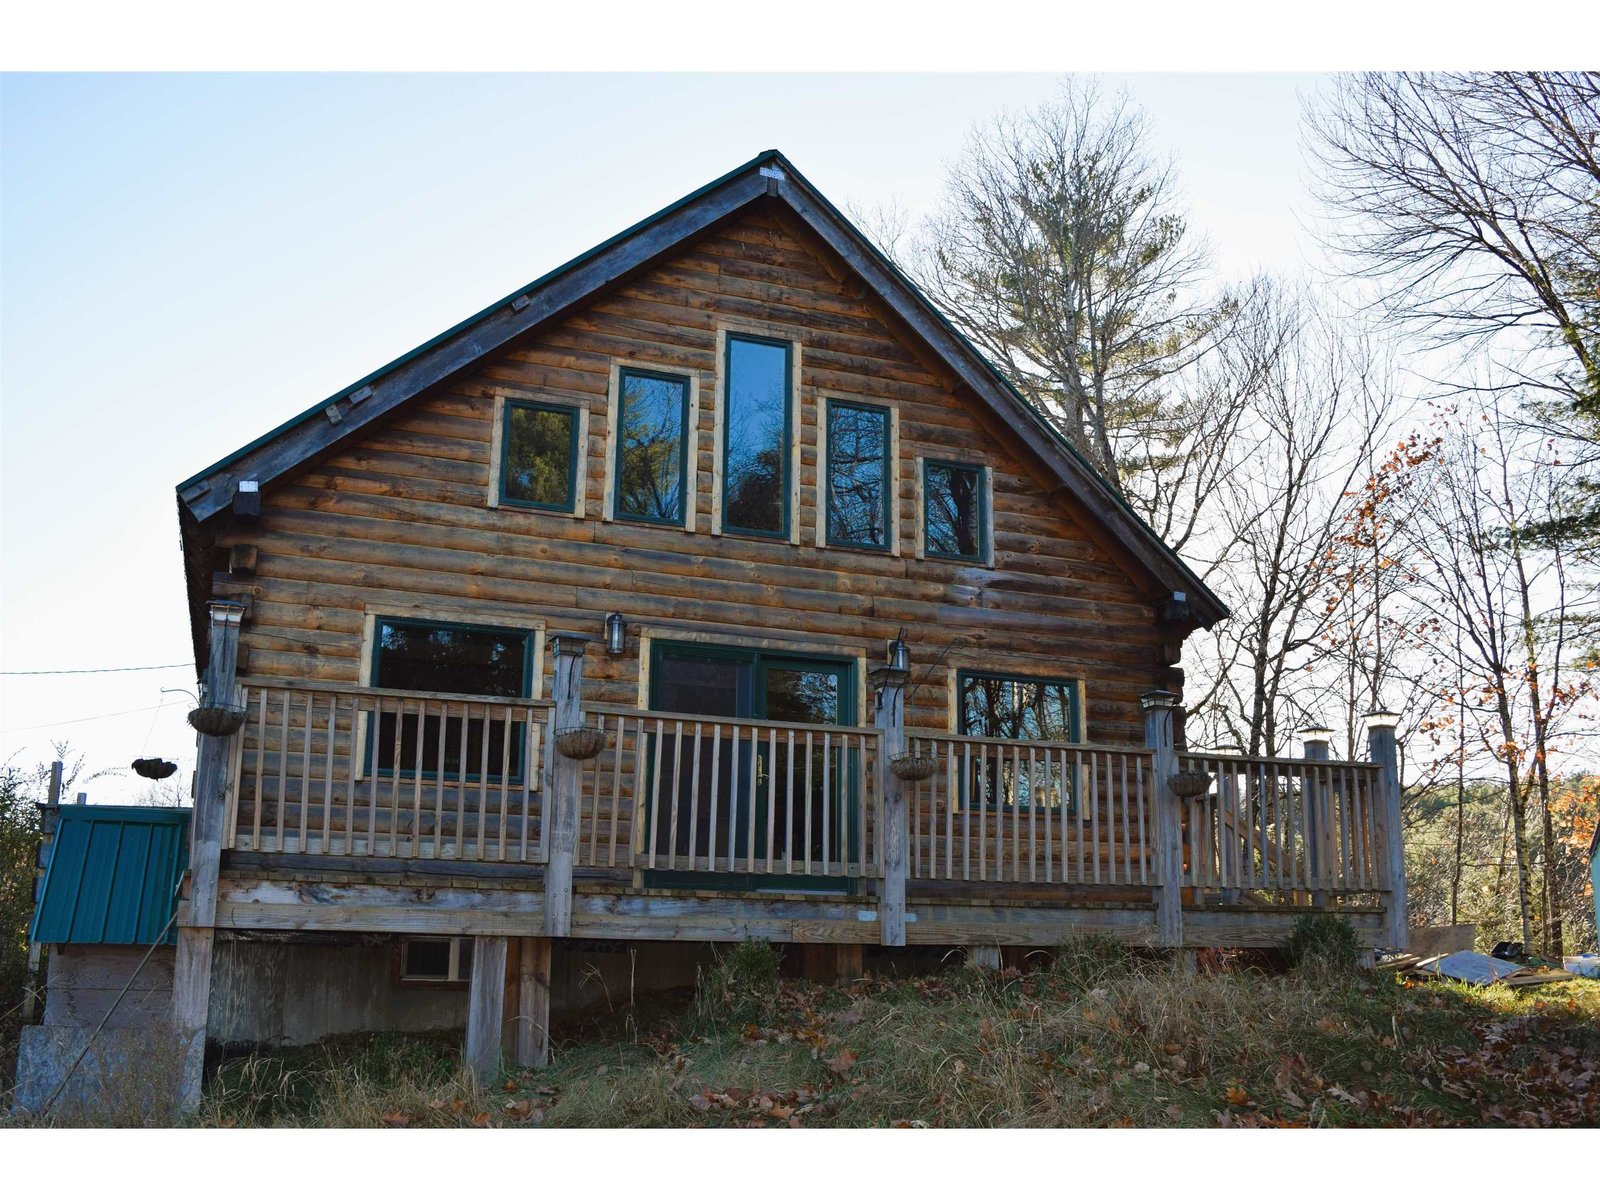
616	634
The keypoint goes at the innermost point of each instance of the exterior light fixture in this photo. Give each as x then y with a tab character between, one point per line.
616	634
899	654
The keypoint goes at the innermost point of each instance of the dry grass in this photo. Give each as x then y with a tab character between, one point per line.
1100	1037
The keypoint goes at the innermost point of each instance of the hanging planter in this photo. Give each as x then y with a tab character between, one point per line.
1190	783
579	741
153	768
913	767
217	720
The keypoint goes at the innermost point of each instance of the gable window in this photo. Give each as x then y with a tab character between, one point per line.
857	475
954	516
756	436
539	455
1024	709
437	656
652	446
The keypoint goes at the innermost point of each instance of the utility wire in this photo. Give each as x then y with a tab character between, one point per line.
97	717
103	670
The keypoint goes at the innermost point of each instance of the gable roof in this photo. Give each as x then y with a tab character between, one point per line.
113	875
573	284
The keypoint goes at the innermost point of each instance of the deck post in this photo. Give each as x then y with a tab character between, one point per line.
564	777
1383	750
533	1002
486	998
1158	736
889	684
191	984
1318	805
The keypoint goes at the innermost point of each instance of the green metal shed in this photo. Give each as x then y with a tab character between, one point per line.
113	876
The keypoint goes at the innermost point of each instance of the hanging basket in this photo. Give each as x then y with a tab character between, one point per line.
913	767
579	741
153	768
217	720
1190	783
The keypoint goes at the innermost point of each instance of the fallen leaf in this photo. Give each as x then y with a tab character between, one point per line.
482	1120
397	1119
841	1063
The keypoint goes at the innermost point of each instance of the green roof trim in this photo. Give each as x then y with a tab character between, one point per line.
113	876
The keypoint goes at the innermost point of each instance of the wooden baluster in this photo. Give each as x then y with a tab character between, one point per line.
352	769
616	784
827	803
530	763
983	811
716	782
808	798
734	806
672	813
1127	841
1094	810
483	784
694	797
655	792
438	779
788	805
1033	816
1144	829
505	779
967	799
772	795
327	778
416	780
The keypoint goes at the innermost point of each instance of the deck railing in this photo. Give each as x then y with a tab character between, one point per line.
676	792
1285	825
325	769
1030	812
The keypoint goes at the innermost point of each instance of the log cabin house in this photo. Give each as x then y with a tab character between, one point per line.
710	587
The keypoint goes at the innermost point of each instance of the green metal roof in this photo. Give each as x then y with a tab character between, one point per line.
113	875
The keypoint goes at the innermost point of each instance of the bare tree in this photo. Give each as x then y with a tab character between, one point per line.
1061	252
1474	200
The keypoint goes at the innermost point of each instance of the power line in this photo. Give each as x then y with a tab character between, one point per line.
97	717
103	670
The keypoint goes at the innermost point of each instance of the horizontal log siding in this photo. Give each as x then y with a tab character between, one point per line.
401	519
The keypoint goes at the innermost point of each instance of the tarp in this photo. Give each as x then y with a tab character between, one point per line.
1471	967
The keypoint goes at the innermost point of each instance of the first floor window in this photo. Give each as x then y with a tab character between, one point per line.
469	660
539	463
756	436
1023	709
652	446
954	519
857	475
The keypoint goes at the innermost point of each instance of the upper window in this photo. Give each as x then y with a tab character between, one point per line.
756	437
652	446
858	475
954	519
539	463
436	656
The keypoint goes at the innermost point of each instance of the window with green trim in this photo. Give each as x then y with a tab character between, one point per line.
1025	709
857	475
954	516
539	455
438	656
652	446
756	436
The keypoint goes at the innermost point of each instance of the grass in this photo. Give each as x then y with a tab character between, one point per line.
1101	1036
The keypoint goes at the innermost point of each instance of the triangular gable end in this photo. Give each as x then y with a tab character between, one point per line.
562	291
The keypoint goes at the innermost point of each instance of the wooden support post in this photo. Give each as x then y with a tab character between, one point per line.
565	777
191	984
486	999
1158	736
533	1002
1383	750
1318	812
983	958
49	818
889	683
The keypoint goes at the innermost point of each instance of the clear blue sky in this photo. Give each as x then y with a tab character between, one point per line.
186	261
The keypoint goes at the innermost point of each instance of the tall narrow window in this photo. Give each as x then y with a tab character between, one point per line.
756	435
652	446
539	463
953	511
858	475
434	656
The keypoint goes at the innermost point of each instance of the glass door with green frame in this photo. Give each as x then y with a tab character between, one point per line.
756	805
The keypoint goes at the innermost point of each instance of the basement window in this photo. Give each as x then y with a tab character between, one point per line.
436	960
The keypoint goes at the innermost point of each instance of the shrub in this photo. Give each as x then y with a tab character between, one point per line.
1323	941
740	985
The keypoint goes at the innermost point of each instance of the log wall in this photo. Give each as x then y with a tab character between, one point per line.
402	518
